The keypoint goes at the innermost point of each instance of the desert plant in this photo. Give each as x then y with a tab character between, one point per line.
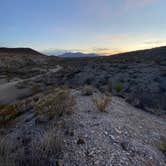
102	102
118	87
87	90
41	149
109	87
60	102
5	153
47	144
162	145
36	89
9	113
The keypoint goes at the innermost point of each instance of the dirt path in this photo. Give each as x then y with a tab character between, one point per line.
10	93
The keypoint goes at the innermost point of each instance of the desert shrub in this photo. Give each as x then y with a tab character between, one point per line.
102	102
47	144
118	87
40	150
9	113
87	90
5	153
162	145
60	102
109	86
44	147
36	89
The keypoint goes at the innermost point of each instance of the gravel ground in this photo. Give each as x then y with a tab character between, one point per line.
123	136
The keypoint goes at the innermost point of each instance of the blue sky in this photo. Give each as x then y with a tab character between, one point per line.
101	26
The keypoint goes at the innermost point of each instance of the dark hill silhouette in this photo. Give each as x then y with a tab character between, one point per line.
19	51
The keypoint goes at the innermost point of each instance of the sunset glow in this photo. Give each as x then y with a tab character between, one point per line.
99	26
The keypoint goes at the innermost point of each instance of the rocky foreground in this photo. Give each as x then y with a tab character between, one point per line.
83	135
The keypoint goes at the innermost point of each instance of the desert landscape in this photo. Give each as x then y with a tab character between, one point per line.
82	83
82	110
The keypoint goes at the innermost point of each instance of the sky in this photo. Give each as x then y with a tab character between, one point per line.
99	26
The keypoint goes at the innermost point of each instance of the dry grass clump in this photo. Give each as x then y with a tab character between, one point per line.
47	144
8	113
59	103
5	153
40	150
102	102
87	90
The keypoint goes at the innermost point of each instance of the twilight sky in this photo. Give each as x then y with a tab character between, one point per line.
100	26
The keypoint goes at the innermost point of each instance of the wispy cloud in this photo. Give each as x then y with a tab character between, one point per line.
96	50
106	10
137	3
155	43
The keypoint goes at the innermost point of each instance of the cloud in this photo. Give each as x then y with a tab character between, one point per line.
105	51
137	3
96	50
155	43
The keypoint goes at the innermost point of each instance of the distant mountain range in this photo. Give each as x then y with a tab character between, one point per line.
68	53
77	54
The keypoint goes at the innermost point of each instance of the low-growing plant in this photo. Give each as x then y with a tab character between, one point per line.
5	153
118	87
87	90
41	148
9	113
162	145
36	89
60	102
47	144
102	102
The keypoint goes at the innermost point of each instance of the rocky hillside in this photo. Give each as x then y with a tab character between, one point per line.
16	57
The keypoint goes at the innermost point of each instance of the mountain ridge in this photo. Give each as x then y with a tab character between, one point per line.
78	54
23	50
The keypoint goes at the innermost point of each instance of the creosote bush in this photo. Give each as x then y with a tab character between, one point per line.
102	102
58	103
